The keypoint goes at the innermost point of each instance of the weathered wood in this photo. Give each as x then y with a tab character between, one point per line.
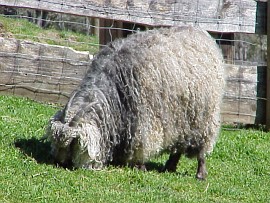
240	99
268	71
212	15
226	43
108	35
117	29
261	95
261	18
42	72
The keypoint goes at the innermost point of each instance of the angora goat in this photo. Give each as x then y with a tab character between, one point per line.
155	91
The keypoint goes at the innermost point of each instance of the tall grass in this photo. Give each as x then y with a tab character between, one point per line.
23	29
239	167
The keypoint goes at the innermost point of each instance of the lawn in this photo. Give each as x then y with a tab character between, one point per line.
23	29
239	167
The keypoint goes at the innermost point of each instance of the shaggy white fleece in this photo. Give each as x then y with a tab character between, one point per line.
156	90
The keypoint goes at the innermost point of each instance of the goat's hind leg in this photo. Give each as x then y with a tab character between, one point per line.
201	170
171	164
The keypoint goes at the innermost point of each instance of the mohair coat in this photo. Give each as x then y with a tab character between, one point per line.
154	91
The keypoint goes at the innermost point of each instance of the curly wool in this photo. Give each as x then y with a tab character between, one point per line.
154	91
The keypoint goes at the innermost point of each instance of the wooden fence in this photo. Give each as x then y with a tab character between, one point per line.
50	73
39	71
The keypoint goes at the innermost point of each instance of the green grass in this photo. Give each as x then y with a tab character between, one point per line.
239	168
23	29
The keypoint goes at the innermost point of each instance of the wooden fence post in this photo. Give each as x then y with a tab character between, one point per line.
106	34
268	70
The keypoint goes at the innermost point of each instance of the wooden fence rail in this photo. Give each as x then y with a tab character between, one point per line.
42	72
212	15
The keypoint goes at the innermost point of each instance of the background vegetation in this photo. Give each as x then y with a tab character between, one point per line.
238	167
23	29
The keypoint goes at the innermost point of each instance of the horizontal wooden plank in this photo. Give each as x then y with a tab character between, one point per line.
240	98
38	95
212	15
229	118
42	72
241	81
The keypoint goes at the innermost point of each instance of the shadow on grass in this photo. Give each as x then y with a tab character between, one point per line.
240	126
35	148
158	167
39	150
153	166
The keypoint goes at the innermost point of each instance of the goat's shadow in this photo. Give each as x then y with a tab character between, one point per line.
158	167
38	149
154	166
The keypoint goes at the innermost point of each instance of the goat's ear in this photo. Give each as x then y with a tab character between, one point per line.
70	101
75	120
67	108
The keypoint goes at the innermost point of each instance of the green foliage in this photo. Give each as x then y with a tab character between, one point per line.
238	168
23	29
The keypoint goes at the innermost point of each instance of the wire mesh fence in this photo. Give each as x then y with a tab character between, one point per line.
36	59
